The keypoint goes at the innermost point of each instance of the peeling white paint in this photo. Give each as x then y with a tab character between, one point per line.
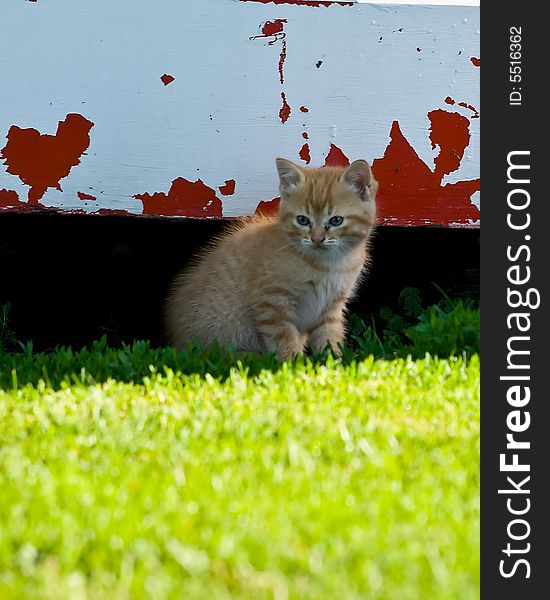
219	118
422	2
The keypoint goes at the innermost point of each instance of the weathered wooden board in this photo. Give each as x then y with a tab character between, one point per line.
179	107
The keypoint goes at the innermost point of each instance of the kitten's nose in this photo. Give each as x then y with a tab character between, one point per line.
318	239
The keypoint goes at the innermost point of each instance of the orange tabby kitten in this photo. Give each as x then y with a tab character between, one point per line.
277	285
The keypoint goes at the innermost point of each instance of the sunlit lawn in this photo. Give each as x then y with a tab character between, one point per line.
332	480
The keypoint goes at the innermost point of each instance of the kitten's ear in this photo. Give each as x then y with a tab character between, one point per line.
290	175
358	177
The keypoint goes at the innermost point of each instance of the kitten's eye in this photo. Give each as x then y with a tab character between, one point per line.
302	220
335	221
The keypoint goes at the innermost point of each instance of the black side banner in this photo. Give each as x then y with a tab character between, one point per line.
515	266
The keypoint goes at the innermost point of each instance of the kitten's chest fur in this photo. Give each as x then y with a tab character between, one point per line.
318	294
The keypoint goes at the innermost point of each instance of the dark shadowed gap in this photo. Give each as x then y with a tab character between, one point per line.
72	278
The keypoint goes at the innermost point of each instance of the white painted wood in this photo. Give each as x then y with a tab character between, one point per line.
423	2
219	118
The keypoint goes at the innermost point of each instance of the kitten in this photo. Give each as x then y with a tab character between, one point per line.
279	284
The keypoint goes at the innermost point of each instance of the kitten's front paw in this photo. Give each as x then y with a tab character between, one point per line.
319	342
336	349
286	344
288	351
289	346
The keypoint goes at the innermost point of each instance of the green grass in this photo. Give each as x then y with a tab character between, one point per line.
133	472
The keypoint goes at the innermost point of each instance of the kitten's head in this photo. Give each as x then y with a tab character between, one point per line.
327	211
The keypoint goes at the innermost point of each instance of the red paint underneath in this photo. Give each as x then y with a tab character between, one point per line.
167	79
273	28
304	154
84	196
305	135
282	58
113	211
275	31
449	100
302	2
470	107
268	208
410	193
41	161
10	199
285	111
475	61
228	189
185	199
336	158
304	109
449	131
